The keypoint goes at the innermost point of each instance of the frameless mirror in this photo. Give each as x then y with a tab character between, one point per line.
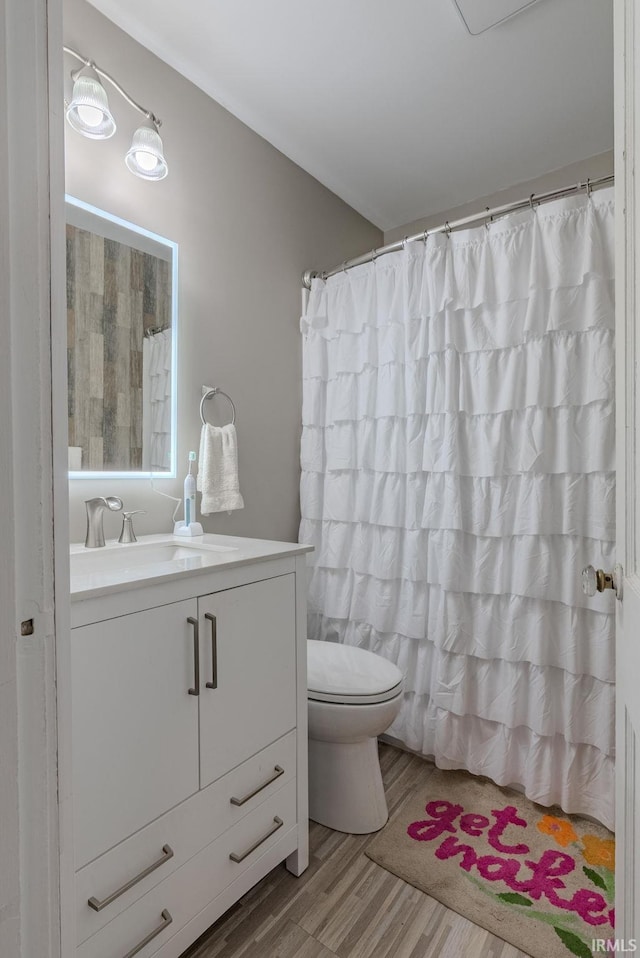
121	346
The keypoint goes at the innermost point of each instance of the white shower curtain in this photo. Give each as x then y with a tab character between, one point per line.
156	401
457	474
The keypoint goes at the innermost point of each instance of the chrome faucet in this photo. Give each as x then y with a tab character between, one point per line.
95	512
128	535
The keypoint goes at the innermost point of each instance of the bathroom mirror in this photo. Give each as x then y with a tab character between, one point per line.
121	346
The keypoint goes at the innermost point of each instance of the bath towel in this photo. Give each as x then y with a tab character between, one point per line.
218	470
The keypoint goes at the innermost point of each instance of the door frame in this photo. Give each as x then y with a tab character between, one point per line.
627	252
34	595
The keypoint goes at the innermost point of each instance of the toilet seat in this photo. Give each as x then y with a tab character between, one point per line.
347	675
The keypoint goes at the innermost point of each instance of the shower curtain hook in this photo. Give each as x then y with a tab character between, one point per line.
374	255
447	229
404	242
425	237
488	222
588	187
344	267
531	202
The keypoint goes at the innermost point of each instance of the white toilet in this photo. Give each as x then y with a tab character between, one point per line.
354	696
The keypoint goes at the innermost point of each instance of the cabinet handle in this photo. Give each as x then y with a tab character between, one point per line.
166	920
213	684
196	655
239	858
167	853
241	801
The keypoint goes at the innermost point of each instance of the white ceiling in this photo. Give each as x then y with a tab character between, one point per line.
392	104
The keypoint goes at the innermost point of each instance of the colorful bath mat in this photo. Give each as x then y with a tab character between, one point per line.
539	879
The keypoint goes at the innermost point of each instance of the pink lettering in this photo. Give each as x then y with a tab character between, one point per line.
451	847
498	869
506	816
546	878
474	824
588	903
443	815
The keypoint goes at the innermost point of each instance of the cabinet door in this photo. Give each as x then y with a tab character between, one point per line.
135	725
250	632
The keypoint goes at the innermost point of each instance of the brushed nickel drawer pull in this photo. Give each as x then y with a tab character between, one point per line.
213	684
241	801
167	853
166	920
196	654
239	858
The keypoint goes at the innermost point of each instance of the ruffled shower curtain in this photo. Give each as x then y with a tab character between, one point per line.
156	401
457	474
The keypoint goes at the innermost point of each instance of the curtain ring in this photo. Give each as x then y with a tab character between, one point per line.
588	187
447	229
531	202
404	242
489	221
374	255
425	237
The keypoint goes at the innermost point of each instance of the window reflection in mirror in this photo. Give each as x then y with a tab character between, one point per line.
121	346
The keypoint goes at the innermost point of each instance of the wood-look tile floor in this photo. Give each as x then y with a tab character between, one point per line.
347	906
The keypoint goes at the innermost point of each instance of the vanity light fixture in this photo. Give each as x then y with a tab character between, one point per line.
145	154
88	113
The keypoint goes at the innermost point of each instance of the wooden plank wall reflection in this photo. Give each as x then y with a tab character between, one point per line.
114	294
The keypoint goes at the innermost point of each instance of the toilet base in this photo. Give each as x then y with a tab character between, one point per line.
345	786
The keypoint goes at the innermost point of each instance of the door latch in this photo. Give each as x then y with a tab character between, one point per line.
597	580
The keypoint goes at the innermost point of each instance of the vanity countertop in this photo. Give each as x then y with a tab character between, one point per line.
165	558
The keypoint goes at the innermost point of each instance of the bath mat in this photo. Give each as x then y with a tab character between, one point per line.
537	878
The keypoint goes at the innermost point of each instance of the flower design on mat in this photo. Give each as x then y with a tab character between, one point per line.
559	829
599	851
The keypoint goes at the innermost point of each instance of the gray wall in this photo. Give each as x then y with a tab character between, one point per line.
595	166
248	222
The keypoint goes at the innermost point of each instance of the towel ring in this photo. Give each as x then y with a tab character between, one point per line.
208	393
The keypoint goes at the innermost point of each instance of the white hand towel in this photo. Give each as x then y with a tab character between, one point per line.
218	470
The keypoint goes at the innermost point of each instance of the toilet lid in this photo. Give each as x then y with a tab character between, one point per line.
344	673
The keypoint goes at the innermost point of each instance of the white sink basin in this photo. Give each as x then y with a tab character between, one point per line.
116	564
131	557
159	559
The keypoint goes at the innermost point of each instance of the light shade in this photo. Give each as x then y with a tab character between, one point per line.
145	157
88	112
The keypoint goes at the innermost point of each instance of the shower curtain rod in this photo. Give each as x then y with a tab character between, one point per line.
487	216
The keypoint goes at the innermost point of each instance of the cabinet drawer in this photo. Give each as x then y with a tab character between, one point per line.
184	830
193	886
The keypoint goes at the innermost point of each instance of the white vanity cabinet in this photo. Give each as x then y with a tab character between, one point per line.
189	751
248	643
135	730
